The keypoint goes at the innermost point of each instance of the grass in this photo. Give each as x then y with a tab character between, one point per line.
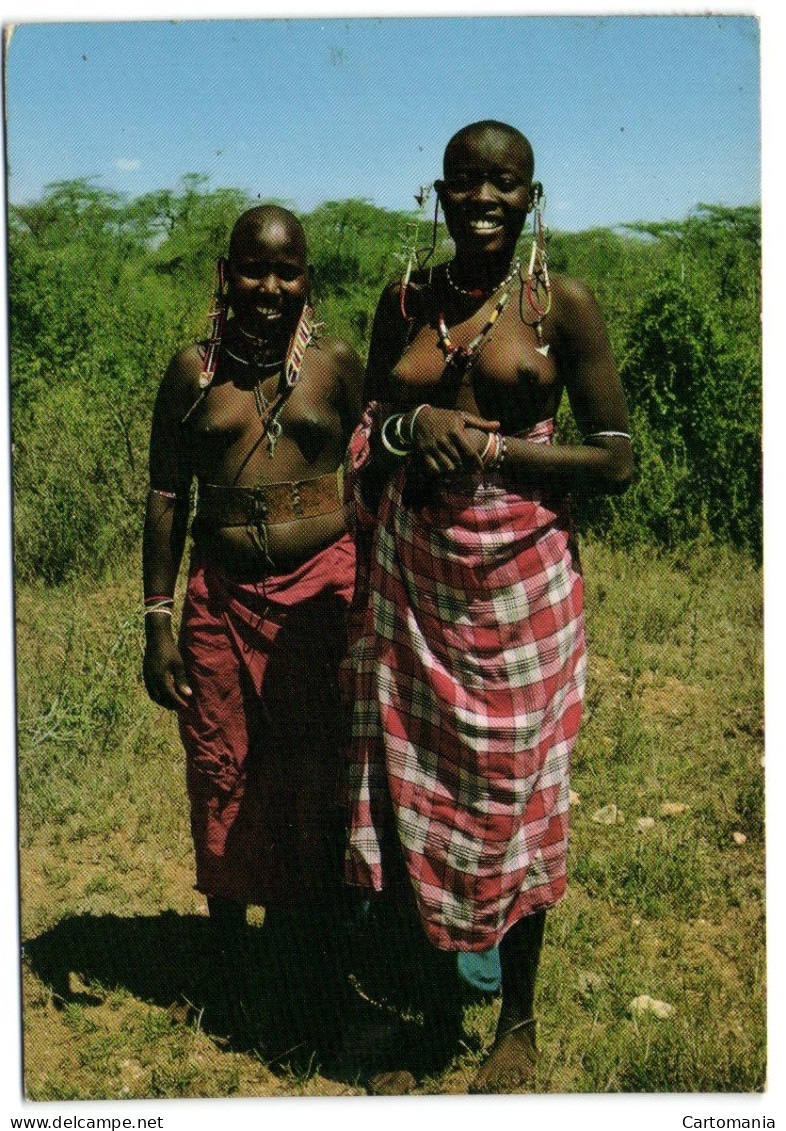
114	933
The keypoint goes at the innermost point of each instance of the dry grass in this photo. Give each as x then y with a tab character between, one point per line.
114	932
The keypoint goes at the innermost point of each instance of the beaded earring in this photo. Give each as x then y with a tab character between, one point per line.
217	317
415	255
537	286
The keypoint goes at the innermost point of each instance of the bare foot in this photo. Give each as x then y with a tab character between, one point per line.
398	1083
510	1065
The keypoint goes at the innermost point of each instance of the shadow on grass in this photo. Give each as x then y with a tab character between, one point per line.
264	1001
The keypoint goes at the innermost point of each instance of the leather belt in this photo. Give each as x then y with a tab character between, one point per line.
270	504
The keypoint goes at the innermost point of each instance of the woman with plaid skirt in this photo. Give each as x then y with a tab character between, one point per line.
469	653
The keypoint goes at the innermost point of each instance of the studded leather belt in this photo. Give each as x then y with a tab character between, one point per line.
269	504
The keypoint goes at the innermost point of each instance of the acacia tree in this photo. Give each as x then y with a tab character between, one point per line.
103	290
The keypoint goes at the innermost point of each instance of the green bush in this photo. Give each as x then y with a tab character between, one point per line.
104	290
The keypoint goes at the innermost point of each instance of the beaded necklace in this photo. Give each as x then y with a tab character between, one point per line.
463	358
260	366
269	411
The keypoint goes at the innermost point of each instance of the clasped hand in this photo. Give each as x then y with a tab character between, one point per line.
447	440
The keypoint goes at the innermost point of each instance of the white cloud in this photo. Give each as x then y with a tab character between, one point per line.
127	163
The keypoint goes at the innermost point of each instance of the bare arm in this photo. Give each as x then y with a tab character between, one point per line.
166	520
603	464
349	370
388	342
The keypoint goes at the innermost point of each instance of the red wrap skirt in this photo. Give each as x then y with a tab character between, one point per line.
263	731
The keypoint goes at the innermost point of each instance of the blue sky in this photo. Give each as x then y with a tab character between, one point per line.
630	117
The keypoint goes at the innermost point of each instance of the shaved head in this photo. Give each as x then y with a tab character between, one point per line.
264	220
489	129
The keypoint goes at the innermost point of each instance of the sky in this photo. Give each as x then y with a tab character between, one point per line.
630	117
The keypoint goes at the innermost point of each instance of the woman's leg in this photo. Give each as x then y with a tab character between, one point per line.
231	958
512	1058
227	920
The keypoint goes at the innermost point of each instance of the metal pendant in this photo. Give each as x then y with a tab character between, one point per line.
273	432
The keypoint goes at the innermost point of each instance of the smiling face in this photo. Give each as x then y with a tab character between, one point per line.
267	272
486	192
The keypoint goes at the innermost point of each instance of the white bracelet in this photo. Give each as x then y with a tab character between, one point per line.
387	445
412	422
595	435
403	441
485	451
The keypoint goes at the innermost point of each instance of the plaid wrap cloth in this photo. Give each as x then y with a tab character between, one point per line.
469	663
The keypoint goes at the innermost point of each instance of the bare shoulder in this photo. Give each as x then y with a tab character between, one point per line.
401	305
180	383
574	302
184	368
339	376
580	328
337	353
335	359
390	299
338	366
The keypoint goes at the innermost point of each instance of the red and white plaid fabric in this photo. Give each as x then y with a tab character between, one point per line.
469	679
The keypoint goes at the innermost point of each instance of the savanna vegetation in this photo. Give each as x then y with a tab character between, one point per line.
667	849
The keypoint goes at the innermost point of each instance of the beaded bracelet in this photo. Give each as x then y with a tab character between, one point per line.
163	494
159	604
499	456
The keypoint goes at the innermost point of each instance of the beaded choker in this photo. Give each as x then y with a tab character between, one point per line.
478	292
269	366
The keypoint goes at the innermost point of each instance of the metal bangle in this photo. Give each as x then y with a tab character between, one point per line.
419	409
595	435
386	443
